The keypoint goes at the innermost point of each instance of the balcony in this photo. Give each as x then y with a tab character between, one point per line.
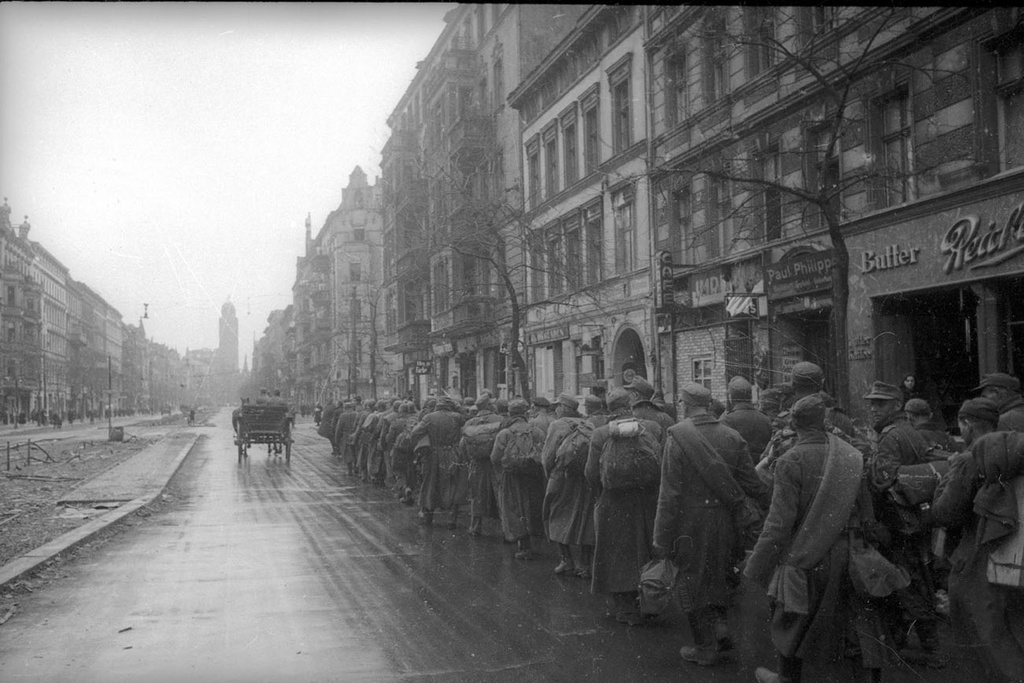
410	336
471	133
471	315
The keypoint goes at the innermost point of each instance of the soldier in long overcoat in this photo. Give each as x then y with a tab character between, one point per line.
569	499
401	464
483	481
899	444
445	484
520	493
344	429
623	521
802	555
695	525
743	416
986	617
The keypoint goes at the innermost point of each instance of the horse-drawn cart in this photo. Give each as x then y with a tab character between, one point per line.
264	423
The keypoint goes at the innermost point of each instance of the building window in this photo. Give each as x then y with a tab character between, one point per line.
499	84
573	253
594	229
823	173
359	234
677	104
624	219
440	287
533	169
1010	105
682	217
771	197
536	249
571	153
591	138
621	138
551	162
761	39
896	148
719	214
716	62
555	260
702	369
355	271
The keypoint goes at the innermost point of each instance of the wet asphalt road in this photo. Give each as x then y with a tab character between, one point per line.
268	572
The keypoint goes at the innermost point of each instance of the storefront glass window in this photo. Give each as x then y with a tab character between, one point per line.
1010	107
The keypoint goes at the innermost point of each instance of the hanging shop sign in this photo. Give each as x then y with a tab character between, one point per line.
801	271
708	288
423	367
664	282
550	334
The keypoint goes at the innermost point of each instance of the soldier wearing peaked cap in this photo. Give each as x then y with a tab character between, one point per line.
900	445
807	379
543	414
623	517
445	477
643	407
483	480
707	475
985	616
568	508
1004	389
753	425
520	491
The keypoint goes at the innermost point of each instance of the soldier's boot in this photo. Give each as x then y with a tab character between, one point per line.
566	566
790	669
476	524
525	551
704	651
586	560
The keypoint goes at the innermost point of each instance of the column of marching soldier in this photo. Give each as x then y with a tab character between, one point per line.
846	528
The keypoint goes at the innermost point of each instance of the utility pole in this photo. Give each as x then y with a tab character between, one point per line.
354	339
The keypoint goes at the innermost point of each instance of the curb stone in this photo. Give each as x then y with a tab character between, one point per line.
31	560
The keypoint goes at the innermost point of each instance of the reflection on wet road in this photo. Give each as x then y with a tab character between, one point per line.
268	572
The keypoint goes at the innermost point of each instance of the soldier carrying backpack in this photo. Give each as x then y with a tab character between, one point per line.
624	465
516	459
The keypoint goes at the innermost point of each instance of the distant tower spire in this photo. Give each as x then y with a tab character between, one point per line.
309	232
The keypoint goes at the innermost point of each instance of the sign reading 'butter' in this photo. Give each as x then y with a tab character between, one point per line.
890	257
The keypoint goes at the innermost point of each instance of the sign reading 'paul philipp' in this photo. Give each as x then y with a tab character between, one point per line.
799	272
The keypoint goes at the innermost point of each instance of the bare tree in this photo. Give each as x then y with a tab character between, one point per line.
828	81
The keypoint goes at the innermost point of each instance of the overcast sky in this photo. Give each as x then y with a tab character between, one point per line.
168	153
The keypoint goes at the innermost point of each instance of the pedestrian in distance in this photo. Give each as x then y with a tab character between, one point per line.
975	498
516	460
344	429
624	468
1004	390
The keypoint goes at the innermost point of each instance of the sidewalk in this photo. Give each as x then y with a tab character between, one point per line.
136	482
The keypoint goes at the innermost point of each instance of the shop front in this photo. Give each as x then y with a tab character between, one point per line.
799	287
940	296
718	328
